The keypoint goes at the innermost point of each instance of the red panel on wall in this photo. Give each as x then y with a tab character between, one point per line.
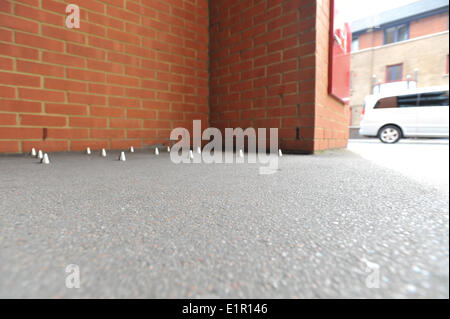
340	50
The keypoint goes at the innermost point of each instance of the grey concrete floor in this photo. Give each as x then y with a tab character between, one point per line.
424	160
148	228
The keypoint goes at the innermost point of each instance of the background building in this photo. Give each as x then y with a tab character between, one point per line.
401	48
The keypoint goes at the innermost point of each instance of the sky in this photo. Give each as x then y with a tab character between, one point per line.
358	9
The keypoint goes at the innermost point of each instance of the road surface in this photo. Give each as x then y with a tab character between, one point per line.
333	225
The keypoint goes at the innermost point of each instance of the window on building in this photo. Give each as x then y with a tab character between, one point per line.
396	34
394	73
402	33
434	99
355	44
389	35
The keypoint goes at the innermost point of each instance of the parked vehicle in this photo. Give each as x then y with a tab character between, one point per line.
422	112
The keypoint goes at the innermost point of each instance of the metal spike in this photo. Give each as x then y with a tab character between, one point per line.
122	157
280	153
45	159
156	151
103	152
88	151
191	155
168	149
131	149
33	152
40	155
199	150
241	153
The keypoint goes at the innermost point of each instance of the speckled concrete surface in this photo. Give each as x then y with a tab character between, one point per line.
148	228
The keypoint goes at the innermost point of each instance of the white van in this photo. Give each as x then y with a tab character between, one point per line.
419	113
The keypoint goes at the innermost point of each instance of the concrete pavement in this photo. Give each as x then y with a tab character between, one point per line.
321	227
424	160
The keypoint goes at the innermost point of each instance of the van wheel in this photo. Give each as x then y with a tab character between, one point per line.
390	134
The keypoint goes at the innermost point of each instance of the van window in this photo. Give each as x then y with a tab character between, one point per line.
387	103
410	100
434	99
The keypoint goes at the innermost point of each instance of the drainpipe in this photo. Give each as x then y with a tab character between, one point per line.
374	83
416	76
372	58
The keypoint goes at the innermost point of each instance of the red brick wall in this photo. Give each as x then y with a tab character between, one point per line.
138	68
263	67
371	39
430	25
331	116
131	73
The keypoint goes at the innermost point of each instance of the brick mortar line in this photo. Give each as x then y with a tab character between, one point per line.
265	22
106	5
87	45
66	78
39	61
93	105
266	54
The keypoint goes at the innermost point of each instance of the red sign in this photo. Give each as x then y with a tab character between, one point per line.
340	53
